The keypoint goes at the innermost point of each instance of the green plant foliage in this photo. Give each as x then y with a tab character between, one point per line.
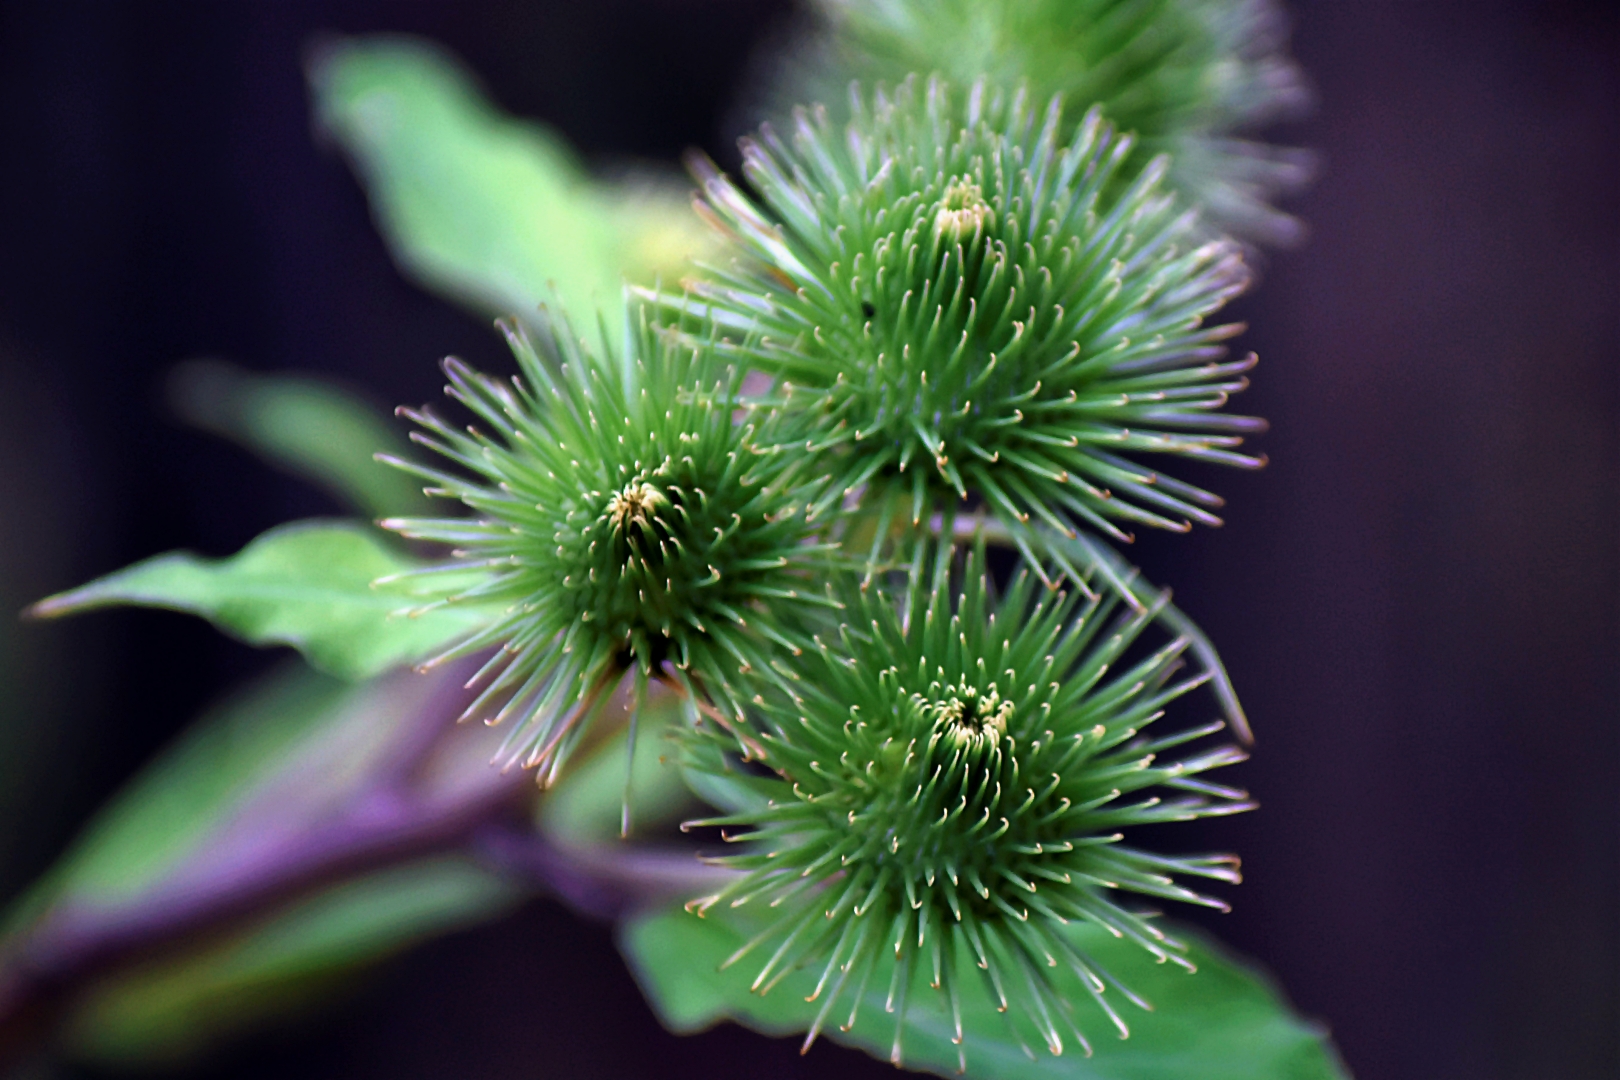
1187	77
953	782
589	805
1225	1022
164	816
494	212
168	1010
288	755
944	320
308	585
609	495
246	804
304	425
951	312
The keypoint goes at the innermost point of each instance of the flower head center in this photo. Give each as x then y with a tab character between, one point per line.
636	504
962	210
969	719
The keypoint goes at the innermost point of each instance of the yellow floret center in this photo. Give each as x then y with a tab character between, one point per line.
962	210
635	504
969	719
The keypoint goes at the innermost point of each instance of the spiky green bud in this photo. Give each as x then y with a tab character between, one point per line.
627	514
950	309
953	779
1187	77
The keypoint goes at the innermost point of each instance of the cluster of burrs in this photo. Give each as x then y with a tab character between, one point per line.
962	313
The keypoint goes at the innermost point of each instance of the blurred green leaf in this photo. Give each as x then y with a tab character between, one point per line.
303	425
171	806
1223	1023
723	783
491	211
586	806
248	802
169	1009
307	584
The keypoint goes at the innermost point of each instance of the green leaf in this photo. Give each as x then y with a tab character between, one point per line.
242	806
587	805
173	805
720	783
1224	1022
307	584
168	1009
493	212
302	425
276	758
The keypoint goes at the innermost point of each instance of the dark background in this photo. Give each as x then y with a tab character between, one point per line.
1418	600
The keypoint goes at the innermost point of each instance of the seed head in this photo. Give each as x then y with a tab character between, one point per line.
1184	75
953	779
951	308
630	518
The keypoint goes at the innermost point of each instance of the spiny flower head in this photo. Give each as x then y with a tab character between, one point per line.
1186	76
950	309
953	779
627	515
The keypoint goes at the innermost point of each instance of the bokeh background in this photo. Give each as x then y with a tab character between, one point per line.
1418	600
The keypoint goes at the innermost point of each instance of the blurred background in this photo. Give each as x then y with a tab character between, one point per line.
1418	600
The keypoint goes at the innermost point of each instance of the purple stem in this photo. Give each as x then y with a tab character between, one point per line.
605	881
312	823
